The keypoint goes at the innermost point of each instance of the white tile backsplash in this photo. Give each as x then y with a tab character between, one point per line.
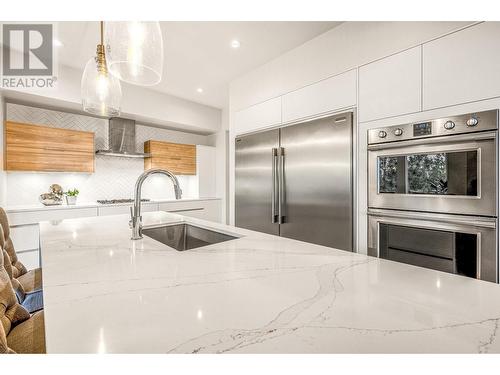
114	177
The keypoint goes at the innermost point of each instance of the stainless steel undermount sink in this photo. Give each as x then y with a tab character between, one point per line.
185	236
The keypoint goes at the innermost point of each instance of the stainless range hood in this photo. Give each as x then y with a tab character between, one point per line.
122	139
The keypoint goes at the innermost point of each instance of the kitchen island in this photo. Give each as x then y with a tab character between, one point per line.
256	294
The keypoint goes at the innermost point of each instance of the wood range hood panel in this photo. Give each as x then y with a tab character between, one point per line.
178	158
45	149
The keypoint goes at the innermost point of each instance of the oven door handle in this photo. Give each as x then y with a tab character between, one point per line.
437	140
473	221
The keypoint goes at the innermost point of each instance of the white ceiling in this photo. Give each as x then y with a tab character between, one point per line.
198	54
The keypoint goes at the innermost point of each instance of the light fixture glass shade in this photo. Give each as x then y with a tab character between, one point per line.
101	91
134	51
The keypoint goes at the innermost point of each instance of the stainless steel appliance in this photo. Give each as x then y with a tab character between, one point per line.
296	181
432	194
121	139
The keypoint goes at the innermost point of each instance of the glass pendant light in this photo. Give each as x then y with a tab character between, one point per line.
101	91
135	51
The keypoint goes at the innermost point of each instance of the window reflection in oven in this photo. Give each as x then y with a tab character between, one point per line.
450	173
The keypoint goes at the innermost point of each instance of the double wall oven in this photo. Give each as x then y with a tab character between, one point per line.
433	189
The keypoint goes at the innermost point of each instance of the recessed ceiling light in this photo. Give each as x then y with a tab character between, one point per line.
235	43
57	43
199	89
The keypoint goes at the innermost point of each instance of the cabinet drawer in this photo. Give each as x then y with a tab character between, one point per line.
30	259
25	237
33	217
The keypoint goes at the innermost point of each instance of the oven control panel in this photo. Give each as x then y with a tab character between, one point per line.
422	128
467	123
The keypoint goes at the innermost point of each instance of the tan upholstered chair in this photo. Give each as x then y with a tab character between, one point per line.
20	332
31	301
30	280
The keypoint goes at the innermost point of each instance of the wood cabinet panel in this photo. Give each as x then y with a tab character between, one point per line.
177	158
46	149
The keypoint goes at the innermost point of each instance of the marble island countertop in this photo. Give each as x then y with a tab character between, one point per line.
256	294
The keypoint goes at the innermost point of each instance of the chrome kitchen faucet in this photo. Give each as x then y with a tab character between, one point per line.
135	212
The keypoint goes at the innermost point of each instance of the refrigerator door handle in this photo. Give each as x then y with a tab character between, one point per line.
281	186
274	195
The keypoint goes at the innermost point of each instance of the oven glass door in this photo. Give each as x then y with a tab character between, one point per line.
445	173
449	177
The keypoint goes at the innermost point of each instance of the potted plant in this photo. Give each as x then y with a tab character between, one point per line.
71	196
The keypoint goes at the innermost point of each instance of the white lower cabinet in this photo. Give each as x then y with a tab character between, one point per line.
25	231
30	259
26	240
25	237
34	217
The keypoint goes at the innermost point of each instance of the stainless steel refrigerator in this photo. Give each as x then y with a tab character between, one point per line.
296	181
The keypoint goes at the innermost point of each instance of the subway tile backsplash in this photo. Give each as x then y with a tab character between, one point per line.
114	177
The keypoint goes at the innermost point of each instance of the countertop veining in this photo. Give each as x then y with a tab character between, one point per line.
256	294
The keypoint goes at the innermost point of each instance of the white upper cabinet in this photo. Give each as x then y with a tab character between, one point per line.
391	86
462	67
322	97
258	116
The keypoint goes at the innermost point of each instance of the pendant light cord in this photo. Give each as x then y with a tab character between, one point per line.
102	32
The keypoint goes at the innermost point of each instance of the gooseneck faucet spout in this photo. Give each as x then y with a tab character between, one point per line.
135	212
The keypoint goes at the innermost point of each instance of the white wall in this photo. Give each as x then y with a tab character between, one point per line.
114	177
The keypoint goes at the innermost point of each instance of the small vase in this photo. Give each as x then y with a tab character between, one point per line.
70	200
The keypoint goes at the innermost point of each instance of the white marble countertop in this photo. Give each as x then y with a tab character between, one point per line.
41	207
258	294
